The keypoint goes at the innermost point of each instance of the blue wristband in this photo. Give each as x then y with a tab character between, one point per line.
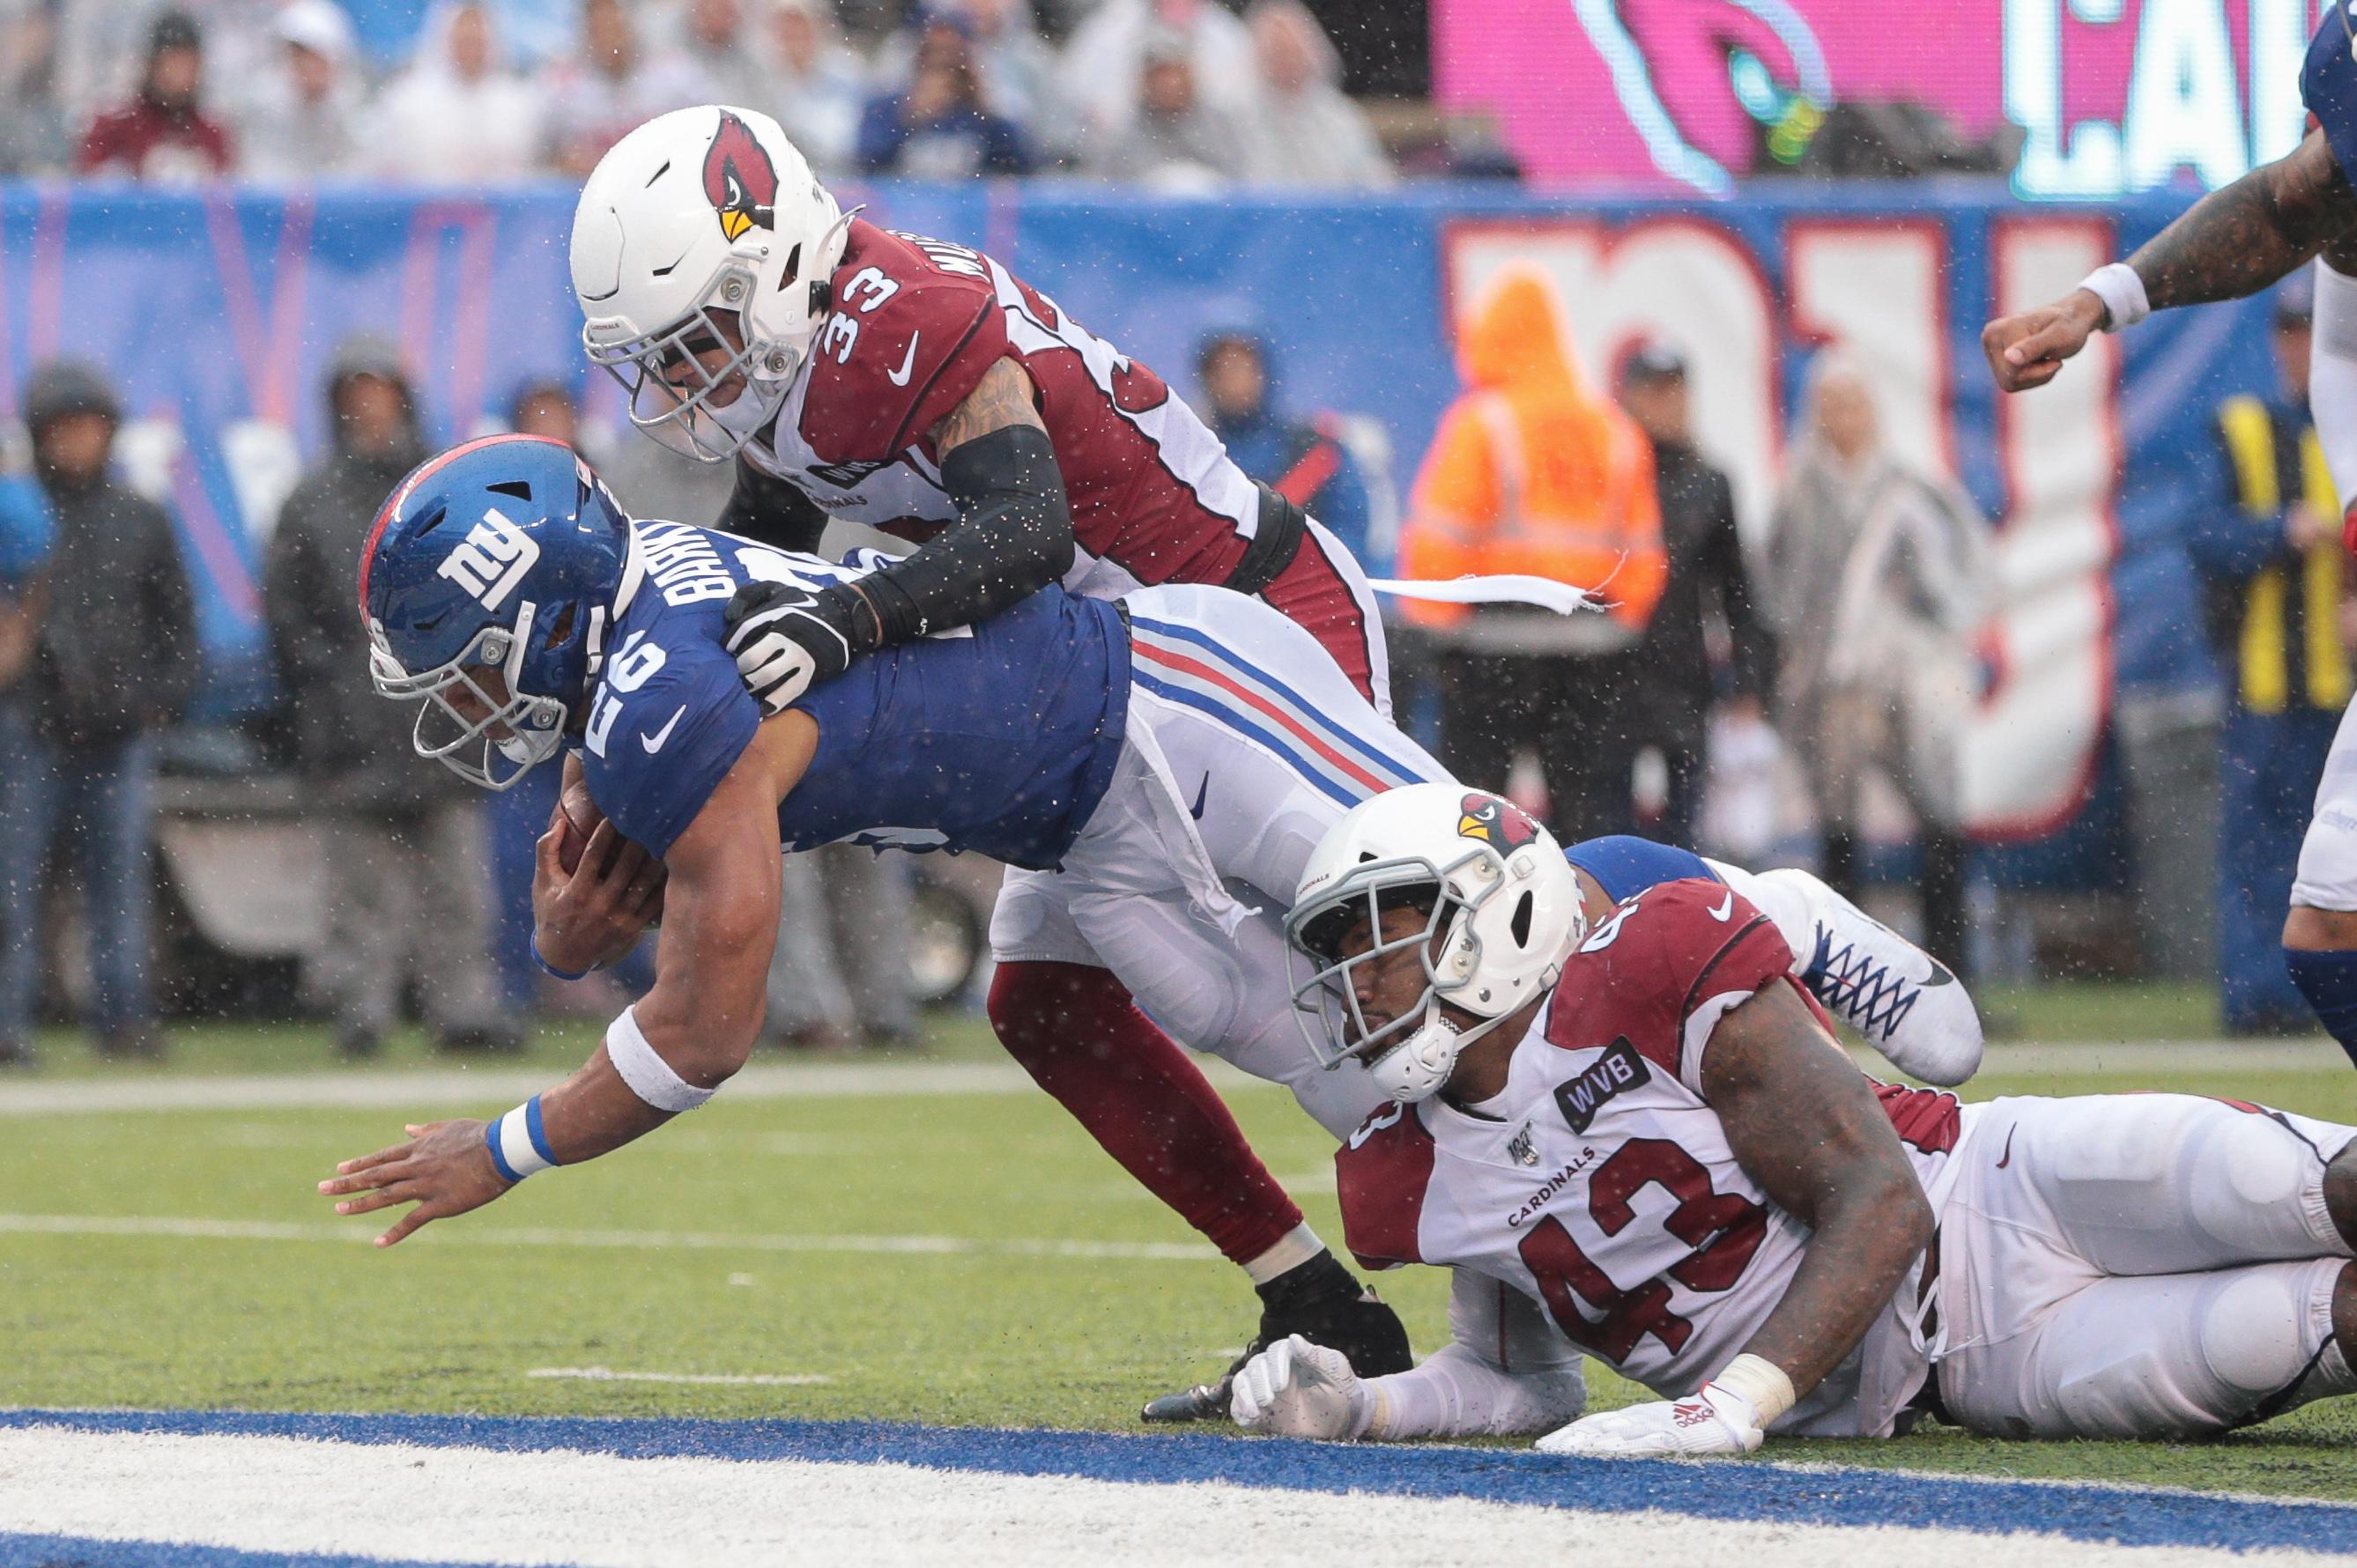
550	969
518	1143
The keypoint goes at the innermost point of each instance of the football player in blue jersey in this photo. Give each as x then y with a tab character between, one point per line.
2240	239
1173	757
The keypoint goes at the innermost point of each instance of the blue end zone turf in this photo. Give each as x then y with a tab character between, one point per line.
85	1551
1760	1493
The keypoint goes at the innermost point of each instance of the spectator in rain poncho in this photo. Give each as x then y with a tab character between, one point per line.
617	82
1879	579
457	115
1103	62
305	120
1300	129
816	86
1179	140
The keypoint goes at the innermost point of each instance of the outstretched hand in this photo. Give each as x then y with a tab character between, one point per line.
2028	350
445	1169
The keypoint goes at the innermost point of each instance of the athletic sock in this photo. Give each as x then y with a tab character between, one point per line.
2329	981
1076	1031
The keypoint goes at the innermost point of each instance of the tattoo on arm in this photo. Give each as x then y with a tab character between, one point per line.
2242	237
1002	398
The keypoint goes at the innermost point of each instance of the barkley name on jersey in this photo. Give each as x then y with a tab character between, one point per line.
1601	1184
999	738
916	322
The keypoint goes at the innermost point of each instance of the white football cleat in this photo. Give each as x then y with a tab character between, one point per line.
1906	1004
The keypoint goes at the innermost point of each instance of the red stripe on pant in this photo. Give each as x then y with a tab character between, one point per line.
1314	596
1078	1033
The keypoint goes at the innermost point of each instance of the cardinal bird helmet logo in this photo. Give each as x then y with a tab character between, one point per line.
739	180
1500	824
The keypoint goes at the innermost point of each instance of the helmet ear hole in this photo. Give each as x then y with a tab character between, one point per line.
1521	924
560	630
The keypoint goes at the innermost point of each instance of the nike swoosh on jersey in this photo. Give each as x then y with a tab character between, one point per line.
2008	1160
1726	908
899	378
654	743
1196	810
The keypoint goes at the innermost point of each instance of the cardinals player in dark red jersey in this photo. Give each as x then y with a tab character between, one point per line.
1639	1142
918	386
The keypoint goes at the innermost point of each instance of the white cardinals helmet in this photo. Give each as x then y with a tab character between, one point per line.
1501	911
704	212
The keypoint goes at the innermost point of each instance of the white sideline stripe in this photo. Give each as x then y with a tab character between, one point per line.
368	1090
430	1087
203	1229
294	1495
608	1375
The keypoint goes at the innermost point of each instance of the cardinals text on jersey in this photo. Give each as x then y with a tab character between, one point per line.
1605	1188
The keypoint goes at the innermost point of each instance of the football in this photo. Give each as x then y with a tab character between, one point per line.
579	818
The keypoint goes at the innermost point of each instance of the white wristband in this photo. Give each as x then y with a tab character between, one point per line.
1761	1381
649	1076
2122	292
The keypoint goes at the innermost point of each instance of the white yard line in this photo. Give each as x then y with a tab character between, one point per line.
294	1495
751	1379
438	1088
208	1229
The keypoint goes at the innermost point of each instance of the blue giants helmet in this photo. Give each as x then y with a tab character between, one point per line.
491	575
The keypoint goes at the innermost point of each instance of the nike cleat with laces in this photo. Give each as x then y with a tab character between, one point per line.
1906	1004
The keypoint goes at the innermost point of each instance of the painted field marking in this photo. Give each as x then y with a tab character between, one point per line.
206	1229
424	1089
659	1491
752	1379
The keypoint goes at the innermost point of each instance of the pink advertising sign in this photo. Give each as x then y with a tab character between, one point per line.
2115	95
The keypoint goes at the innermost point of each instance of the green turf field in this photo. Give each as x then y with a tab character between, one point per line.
916	1251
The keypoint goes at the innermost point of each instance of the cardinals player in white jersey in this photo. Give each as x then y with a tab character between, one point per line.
918	386
1640	1142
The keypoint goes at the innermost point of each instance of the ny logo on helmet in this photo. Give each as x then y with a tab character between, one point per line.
491	560
739	180
1498	824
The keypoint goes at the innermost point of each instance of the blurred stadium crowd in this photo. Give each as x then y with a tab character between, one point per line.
1832	666
1171	96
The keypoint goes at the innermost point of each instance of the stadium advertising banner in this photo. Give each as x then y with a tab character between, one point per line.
2113	95
216	312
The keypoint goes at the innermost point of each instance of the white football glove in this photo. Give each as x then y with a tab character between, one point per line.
786	639
1712	1421
1295	1389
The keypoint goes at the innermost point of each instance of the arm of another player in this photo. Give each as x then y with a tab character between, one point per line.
667	1054
2233	243
1841	1171
1505	1373
1012	537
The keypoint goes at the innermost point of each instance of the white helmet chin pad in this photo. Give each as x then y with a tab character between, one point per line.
1416	1067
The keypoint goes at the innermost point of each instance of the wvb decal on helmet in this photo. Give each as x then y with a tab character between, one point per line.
491	560
1500	824
739	180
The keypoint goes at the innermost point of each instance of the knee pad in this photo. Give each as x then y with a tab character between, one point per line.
2255	1334
2238	1166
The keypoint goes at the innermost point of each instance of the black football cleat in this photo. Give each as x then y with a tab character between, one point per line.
1326	1305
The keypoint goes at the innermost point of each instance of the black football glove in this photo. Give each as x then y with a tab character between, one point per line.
786	639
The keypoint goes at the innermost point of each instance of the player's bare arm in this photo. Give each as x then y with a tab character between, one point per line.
1839	1167
1012	537
2233	243
698	1025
